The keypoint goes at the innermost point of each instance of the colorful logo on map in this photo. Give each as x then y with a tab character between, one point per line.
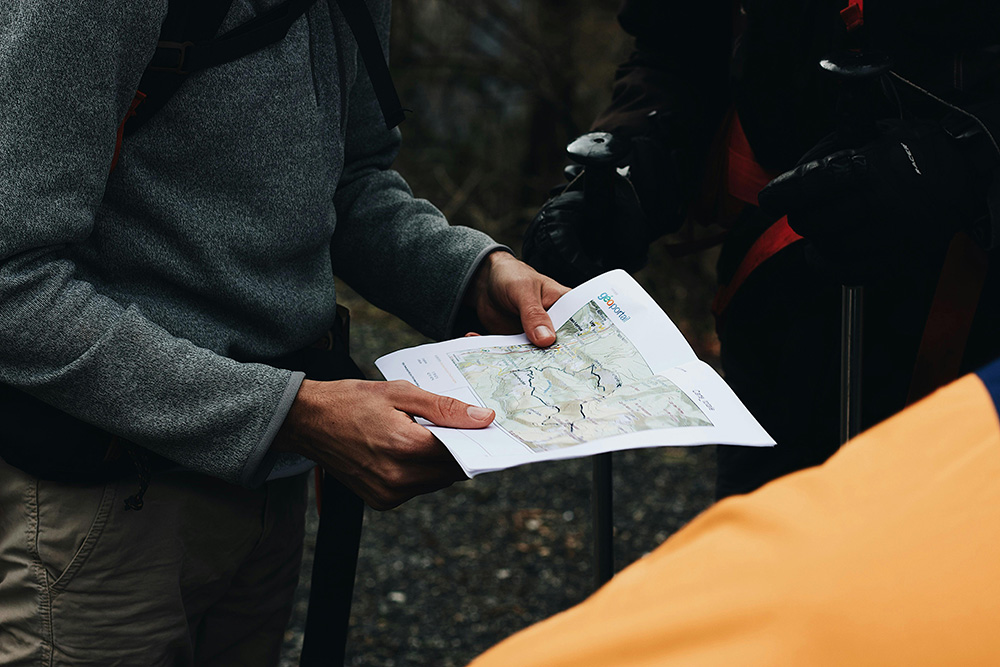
609	303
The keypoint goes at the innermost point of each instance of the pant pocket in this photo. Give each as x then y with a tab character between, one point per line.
70	521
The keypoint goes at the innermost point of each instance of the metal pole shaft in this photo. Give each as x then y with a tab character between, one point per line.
603	520
851	303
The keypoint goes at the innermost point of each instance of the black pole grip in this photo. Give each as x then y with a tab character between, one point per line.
859	74
599	153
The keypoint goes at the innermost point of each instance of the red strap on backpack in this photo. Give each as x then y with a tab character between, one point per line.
744	179
775	238
853	15
136	101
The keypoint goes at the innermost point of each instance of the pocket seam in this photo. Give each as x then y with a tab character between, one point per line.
59	581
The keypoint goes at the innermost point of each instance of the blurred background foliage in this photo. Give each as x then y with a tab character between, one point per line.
497	89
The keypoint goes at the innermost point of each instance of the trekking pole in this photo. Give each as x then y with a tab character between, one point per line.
338	537
600	153
857	72
335	564
851	327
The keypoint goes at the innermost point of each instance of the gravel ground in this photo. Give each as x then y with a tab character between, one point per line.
448	575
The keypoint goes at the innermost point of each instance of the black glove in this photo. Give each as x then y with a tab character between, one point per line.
563	244
888	208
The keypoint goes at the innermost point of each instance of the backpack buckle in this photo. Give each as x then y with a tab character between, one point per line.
171	57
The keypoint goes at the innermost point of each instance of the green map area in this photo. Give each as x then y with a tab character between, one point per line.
591	384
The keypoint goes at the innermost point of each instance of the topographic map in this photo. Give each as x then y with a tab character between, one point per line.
592	384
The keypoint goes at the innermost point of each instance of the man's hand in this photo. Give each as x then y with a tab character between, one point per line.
509	297
363	434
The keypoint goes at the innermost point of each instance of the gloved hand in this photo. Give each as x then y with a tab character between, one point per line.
885	209
559	243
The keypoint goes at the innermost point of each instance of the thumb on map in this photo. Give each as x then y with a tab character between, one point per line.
437	409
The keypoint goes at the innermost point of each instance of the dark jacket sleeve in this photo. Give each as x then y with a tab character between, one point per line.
679	66
669	97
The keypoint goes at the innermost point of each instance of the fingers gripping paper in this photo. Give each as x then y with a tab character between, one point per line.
619	376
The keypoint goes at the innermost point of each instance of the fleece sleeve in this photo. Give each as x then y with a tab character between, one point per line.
396	250
68	71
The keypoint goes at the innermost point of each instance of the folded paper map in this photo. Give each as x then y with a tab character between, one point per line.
619	376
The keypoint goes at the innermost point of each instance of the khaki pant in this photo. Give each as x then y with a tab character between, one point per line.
204	574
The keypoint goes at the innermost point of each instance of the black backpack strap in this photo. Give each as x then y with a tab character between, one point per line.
335	565
187	22
188	44
363	27
190	56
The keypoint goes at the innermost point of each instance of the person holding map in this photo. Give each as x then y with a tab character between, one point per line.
163	296
896	192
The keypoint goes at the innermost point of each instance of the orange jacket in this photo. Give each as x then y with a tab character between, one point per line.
888	554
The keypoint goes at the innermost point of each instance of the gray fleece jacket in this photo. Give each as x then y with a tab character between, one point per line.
218	235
